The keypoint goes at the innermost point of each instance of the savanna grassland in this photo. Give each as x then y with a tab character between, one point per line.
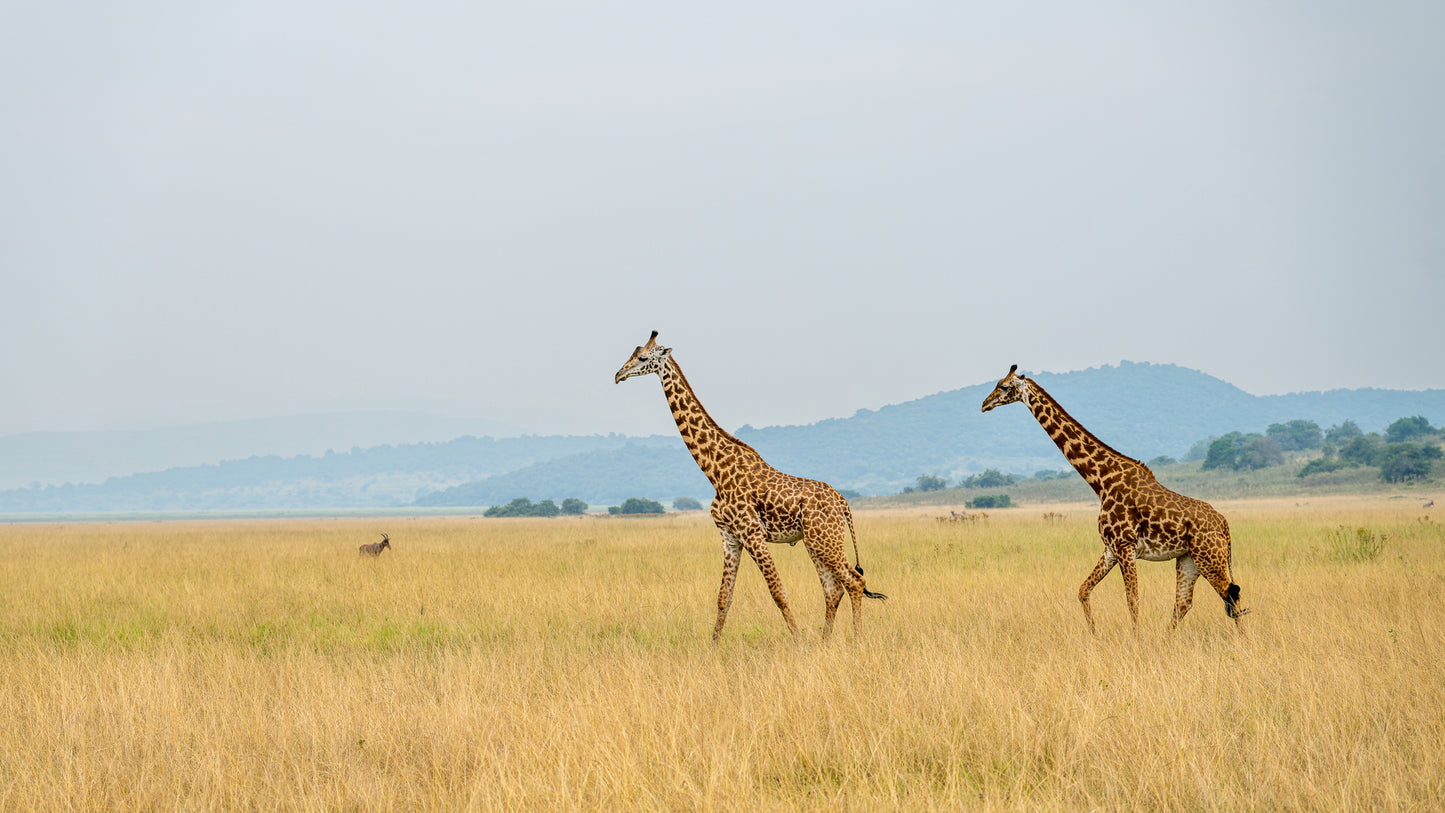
566	663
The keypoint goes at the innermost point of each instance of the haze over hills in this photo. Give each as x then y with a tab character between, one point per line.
1143	410
90	457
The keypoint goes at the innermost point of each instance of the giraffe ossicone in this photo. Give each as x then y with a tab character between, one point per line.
1138	517
756	504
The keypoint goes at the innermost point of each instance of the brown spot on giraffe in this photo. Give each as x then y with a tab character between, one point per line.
1138	517
756	504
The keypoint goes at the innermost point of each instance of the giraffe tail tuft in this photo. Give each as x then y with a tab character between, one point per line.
866	592
1231	601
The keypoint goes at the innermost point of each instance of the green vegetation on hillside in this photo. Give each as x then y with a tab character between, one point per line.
1405	453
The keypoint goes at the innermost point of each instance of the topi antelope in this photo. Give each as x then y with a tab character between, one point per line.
375	548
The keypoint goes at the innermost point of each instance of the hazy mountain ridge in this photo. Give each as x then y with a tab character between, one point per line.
91	457
1143	410
377	477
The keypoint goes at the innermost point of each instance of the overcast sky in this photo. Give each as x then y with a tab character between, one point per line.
219	211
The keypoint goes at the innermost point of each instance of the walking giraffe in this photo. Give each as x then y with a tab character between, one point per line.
1138	517
756	504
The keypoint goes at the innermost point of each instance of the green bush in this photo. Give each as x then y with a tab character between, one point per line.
989	478
931	482
1325	464
1237	450
686	504
1409	429
1295	435
997	501
1342	433
1356	544
1402	462
638	505
1362	449
573	506
523	507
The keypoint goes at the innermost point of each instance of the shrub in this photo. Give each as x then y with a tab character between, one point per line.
1402	462
931	482
1221	452
989	478
1361	450
1258	453
1409	429
638	505
1343	432
998	501
523	507
1162	460
1323	465
1240	451
573	506
1295	435
686	504
1356	544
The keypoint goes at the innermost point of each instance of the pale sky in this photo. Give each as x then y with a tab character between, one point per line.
223	211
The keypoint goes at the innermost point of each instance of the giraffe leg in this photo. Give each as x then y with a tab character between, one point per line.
1215	569
832	591
1129	569
832	597
1106	564
1185	574
757	546
732	552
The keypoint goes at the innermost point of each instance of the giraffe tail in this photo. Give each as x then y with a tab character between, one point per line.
1231	596
1231	602
858	568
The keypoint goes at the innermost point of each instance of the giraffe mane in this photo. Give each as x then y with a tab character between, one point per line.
1084	429
677	369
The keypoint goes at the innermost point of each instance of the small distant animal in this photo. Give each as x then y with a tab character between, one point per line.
375	548
955	516
1430	504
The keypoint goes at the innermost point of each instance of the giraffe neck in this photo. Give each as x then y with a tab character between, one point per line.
709	444
1093	459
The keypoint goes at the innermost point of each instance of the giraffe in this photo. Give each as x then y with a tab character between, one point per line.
756	504
1138	517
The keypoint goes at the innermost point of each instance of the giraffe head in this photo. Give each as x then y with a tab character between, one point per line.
648	358
1011	388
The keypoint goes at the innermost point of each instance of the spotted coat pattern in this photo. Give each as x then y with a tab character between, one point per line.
1138	517
756	504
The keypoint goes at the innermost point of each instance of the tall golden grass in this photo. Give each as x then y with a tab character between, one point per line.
540	664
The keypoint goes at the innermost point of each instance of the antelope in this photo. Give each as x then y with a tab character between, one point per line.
375	548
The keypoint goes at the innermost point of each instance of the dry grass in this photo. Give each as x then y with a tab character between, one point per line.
537	664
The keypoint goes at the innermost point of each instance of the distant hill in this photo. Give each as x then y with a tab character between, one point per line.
662	471
1143	410
382	476
90	457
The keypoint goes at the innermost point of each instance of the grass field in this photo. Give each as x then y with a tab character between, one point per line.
539	664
